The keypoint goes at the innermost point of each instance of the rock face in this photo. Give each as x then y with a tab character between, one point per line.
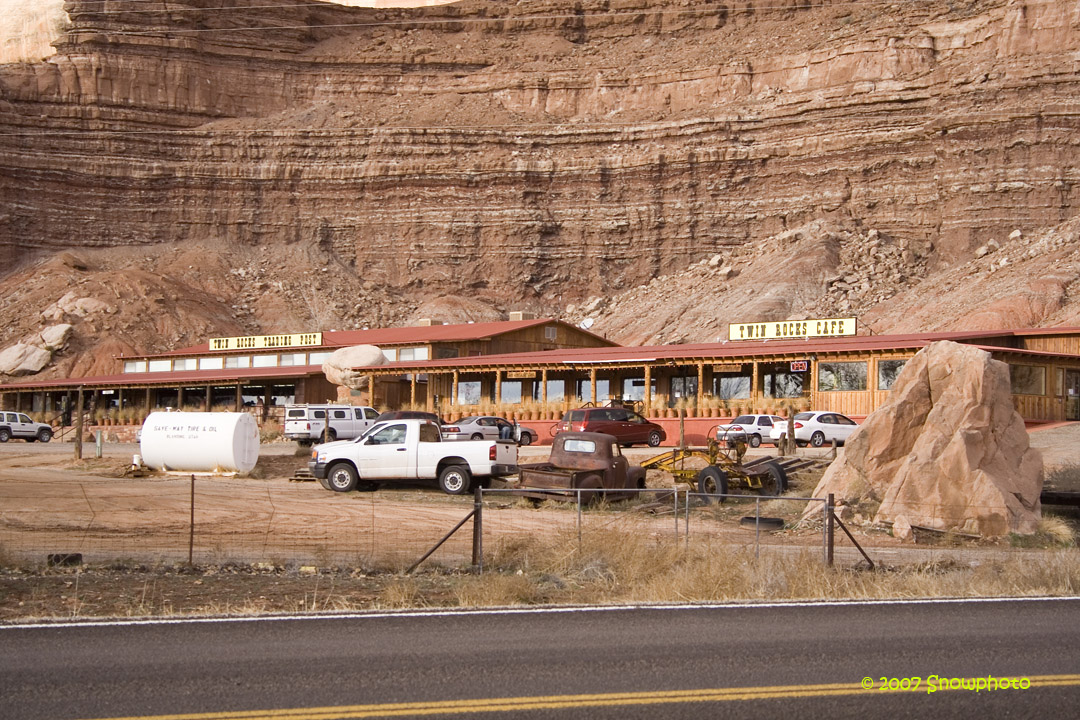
947	451
339	366
23	359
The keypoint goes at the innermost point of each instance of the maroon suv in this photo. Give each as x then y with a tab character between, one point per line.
627	426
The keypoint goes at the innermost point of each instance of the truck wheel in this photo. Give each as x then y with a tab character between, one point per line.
775	481
526	439
454	480
712	481
817	439
342	477
331	435
44	435
5	434
755	441
591	489
305	443
654	439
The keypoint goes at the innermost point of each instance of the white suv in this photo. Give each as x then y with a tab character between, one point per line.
19	425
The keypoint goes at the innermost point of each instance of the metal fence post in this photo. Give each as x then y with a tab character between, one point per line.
687	524
478	531
676	514
191	530
757	527
578	493
829	527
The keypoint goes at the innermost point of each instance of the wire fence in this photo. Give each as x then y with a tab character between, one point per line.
237	520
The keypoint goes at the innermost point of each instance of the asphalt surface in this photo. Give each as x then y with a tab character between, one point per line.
796	660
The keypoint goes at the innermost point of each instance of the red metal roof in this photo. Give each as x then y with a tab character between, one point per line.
412	335
180	377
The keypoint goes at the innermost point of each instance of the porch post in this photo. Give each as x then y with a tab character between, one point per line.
648	389
498	387
592	381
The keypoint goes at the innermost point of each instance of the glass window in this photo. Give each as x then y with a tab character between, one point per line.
370	413
1028	379
420	353
264	361
511	391
185	364
555	390
429	433
683	387
841	376
579	446
296	413
731	387
575	416
133	366
211	363
338	415
469	392
293	359
390	355
887	372
405	354
160	365
317	358
24	418
389	435
238	361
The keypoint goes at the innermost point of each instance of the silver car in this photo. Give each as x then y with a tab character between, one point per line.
488	427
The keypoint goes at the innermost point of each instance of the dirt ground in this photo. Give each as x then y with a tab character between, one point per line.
266	544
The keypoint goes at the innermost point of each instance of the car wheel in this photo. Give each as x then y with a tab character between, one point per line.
526	439
454	480
476	436
712	481
755	441
342	477
817	439
44	435
5	434
654	439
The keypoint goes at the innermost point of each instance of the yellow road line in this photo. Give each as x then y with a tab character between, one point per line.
549	702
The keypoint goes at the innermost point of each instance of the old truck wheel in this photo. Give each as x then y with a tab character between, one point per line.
526	439
712	481
775	481
44	435
5	434
591	489
817	439
342	477
754	441
654	438
454	480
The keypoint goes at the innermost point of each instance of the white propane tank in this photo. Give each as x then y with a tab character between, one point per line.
200	441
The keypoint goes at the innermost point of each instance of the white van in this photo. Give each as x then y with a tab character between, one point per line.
305	423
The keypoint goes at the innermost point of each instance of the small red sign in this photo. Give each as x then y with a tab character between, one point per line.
799	366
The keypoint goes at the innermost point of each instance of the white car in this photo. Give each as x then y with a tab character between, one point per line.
488	427
751	429
816	428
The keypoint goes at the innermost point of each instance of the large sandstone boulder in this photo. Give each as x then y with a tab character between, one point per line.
947	450
23	359
339	367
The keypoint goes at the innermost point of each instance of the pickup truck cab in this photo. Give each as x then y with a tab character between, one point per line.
306	423
587	461
405	450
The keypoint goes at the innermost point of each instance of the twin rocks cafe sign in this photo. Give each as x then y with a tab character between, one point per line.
793	330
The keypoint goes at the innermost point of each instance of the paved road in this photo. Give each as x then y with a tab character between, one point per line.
758	661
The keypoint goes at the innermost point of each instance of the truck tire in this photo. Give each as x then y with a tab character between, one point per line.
455	480
342	477
591	489
44	435
712	481
775	481
5	434
526	439
654	439
331	435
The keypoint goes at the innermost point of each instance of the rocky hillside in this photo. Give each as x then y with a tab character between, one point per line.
663	167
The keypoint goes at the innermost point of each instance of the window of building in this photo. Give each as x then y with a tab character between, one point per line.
887	372
160	365
264	361
317	358
390	354
729	386
238	361
841	376
556	390
469	392
134	366
634	388
292	359
510	392
1027	379
684	387
211	363
185	364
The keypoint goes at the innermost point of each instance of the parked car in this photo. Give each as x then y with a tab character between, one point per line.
19	425
751	429
408	415
488	427
817	428
591	462
626	426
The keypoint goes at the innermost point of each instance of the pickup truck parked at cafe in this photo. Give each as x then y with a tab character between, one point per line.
410	450
306	423
591	462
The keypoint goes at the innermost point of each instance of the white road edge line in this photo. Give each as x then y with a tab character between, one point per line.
375	615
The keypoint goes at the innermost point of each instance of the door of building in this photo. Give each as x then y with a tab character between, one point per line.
1072	394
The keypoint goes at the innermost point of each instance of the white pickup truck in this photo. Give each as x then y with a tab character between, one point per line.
396	450
306	423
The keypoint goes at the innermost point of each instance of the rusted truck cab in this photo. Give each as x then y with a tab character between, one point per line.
584	460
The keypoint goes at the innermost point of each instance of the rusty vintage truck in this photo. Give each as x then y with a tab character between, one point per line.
585	461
